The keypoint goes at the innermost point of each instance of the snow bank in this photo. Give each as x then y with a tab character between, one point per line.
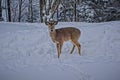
27	52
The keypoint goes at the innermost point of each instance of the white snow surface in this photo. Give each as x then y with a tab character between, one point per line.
28	53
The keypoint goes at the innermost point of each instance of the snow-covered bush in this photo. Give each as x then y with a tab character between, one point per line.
90	12
111	13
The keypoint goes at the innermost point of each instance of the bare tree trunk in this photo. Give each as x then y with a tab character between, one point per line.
41	9
6	11
0	10
20	6
30	11
31	8
75	11
28	17
9	10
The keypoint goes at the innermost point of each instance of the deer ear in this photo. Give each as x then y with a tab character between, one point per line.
56	22
46	22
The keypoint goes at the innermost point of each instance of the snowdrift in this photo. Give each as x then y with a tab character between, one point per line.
28	53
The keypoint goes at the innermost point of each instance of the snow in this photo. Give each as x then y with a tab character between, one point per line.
28	53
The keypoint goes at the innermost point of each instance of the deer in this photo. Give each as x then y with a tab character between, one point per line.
60	35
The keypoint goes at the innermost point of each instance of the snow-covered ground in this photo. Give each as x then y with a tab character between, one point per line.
28	53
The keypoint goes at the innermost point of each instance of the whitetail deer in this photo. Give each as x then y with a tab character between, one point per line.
64	34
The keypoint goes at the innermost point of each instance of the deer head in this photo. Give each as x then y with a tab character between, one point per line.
51	24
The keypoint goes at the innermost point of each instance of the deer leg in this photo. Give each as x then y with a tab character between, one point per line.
72	49
61	44
59	48
76	43
79	48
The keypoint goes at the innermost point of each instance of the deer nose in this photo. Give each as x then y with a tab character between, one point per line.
51	30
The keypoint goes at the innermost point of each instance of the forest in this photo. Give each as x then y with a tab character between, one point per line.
60	10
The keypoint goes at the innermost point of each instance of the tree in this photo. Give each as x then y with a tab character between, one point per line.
19	10
48	8
9	10
1	10
20	6
30	12
41	10
69	10
75	13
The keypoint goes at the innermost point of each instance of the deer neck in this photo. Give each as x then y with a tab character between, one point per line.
53	35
